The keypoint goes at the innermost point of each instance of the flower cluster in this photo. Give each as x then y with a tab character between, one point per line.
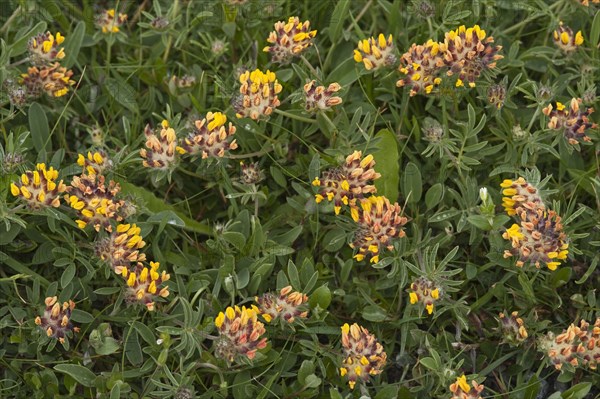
44	48
363	355
496	95
39	187
209	137
465	52
56	319
250	173
53	79
348	183
513	328
108	23
573	121
287	306
145	284
379	222
462	390
94	201
375	53
320	97
122	247
161	152
258	94
586	3
424	291
240	333
539	236
577	346
565	40
289	40
94	163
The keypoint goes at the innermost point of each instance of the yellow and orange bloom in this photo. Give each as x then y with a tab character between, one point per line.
519	196
379	224
109	21
210	137
375	53
320	97
240	333
538	238
424	291
363	355
122	247
462	390
44	48
573	121
94	202
258	94
287	306
586	3
421	65
56	320
145	284
53	79
513	328
467	52
250	173
161	150
565	39
348	183
39	187
289	40
496	95
94	163
577	346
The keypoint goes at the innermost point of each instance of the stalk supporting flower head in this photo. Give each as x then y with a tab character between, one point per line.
375	53
348	183
210	137
379	223
94	202
289	40
109	21
145	285
577	346
161	150
565	39
240	333
421	65
287	306
426	292
258	94
122	247
53	79
573	120
363	355
44	48
320	97
94	163
56	321
39	187
462	390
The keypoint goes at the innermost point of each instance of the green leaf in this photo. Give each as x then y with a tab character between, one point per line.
595	31
321	297
374	313
386	163
156	205
578	391
19	46
412	183
81	316
429	362
79	373
293	275
338	17
38	125
532	388
434	195
123	93
67	275
73	44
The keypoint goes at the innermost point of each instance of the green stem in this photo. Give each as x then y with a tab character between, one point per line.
296	117
309	65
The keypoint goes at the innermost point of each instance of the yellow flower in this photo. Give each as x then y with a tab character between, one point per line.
145	285
258	94
94	163
122	247
363	355
320	97
375	53
56	321
210	137
53	79
287	305
565	40
289	40
44	48
424	291
240	333
462	390
161	150
578	346
107	22
421	65
39	188
574	122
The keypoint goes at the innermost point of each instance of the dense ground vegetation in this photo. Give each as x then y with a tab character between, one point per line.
283	199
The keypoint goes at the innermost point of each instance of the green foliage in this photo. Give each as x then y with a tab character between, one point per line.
228	233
